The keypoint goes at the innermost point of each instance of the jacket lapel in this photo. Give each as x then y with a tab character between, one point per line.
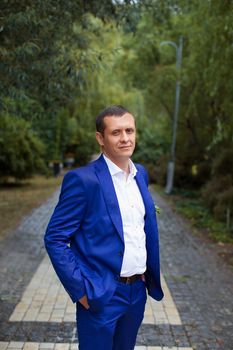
109	193
148	201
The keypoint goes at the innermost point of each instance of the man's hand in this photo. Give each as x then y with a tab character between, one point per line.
84	302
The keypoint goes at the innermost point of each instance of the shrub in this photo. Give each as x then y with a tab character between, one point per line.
223	163
150	147
224	203
210	193
218	192
21	151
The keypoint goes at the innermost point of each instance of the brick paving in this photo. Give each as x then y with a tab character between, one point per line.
45	300
196	313
64	346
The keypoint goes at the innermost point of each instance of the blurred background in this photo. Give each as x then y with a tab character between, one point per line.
169	62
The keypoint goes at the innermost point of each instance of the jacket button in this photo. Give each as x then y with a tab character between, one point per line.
120	253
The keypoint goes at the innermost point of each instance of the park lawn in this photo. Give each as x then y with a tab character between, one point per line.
16	201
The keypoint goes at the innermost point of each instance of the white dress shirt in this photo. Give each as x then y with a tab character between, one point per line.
132	213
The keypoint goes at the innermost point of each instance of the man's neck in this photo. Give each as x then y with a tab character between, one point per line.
124	164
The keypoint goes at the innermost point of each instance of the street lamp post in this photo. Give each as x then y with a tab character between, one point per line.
171	163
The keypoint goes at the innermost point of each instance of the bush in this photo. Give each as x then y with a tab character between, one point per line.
223	163
218	192
213	188
224	203
149	149
86	146
21	151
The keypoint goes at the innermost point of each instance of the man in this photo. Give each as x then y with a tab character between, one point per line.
103	241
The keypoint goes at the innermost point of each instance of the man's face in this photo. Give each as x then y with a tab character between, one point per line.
118	139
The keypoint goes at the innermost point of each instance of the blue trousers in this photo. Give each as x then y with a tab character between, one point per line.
116	326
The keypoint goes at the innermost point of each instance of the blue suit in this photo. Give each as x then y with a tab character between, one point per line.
85	239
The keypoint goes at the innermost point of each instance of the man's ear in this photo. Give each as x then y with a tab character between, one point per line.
99	138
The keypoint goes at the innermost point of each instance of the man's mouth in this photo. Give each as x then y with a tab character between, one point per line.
125	147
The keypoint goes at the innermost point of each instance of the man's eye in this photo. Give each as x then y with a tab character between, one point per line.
115	133
130	131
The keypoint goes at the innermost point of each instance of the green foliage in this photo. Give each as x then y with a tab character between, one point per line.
62	62
218	192
85	147
205	124
151	145
21	151
149	149
49	51
191	205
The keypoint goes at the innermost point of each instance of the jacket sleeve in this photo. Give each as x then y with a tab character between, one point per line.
144	173
65	223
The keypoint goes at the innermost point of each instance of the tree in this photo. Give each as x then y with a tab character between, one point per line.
46	53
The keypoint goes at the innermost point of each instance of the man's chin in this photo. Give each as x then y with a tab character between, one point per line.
124	150
126	154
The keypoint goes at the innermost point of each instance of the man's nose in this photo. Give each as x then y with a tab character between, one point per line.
124	136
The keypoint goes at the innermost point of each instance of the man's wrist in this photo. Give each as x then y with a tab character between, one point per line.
84	301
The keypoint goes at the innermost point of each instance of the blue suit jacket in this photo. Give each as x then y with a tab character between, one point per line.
85	240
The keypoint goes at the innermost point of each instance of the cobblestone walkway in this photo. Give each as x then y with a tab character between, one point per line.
196	313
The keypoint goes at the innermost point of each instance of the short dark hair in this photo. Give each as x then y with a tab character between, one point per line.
115	110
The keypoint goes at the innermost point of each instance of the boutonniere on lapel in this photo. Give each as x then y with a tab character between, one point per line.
157	209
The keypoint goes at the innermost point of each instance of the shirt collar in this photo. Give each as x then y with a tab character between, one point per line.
114	169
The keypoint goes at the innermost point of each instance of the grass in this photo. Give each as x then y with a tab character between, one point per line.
189	204
18	200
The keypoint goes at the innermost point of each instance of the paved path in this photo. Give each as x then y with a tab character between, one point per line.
196	313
